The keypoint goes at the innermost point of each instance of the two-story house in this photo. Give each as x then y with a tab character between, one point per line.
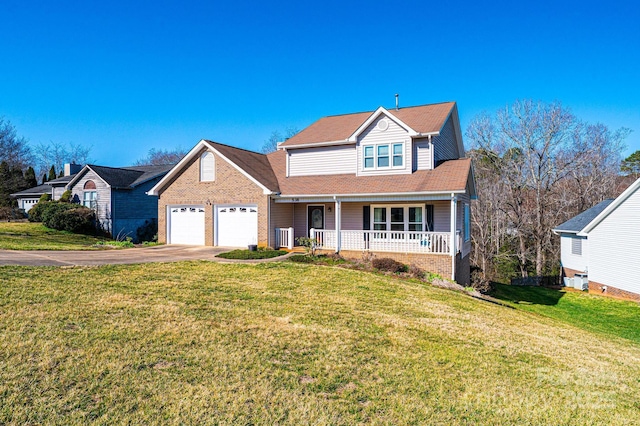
390	182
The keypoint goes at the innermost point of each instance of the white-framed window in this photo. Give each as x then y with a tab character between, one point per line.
383	156
576	246
89	194
207	167
467	222
398	217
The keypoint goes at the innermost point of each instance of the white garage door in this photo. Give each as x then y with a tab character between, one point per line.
237	226
186	225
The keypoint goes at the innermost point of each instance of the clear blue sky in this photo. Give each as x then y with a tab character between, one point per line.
127	76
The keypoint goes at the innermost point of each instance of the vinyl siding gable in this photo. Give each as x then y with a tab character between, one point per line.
613	247
570	260
103	197
388	133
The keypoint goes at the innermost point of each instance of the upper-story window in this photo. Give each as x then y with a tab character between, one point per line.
383	156
207	167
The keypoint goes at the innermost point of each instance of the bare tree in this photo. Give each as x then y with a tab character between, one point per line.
271	144
14	150
56	154
159	157
544	166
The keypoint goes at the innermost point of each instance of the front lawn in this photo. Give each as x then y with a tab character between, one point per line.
36	236
287	343
588	311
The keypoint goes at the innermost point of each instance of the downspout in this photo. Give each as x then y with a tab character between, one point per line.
454	240
269	222
338	224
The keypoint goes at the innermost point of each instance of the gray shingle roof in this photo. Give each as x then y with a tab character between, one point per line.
129	177
577	223
36	191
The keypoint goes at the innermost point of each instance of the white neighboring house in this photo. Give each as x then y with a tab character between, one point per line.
601	246
55	188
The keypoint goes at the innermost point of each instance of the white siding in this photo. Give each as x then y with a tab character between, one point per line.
393	134
329	160
421	154
573	261
103	201
614	247
445	146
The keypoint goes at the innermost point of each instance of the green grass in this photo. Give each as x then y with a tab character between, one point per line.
595	313
287	343
35	236
248	254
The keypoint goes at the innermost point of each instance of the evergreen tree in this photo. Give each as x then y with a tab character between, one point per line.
30	177
631	165
52	173
44	178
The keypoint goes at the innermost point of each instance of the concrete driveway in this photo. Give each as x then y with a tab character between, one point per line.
171	253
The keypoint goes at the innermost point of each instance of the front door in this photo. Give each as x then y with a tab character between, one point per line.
315	217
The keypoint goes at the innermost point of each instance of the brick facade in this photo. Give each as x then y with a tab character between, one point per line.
437	263
230	187
607	290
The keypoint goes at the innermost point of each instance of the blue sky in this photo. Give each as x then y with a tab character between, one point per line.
125	77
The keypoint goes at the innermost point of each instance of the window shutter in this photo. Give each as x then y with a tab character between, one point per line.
366	218
429	214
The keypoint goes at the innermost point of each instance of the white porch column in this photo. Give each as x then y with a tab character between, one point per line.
452	235
338	212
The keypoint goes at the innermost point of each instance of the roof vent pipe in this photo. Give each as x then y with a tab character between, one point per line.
396	101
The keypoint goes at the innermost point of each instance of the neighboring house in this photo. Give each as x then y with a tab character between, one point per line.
390	182
601	248
118	196
55	188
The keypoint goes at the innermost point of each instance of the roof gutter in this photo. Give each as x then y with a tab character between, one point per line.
307	145
370	194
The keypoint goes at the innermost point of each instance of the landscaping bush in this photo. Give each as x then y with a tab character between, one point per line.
479	282
35	214
148	231
303	258
44	197
11	213
388	265
248	254
66	196
69	217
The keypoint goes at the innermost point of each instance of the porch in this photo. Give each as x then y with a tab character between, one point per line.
374	241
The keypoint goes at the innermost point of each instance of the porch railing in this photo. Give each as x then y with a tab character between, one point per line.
284	238
389	241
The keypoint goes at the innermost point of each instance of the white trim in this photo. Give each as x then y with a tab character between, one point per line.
81	173
390	155
374	116
453	231
405	214
610	208
190	155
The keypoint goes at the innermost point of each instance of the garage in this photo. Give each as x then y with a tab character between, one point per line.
186	225
236	226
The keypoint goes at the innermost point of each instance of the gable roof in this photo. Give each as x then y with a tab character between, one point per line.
124	177
253	165
450	176
577	223
424	119
635	186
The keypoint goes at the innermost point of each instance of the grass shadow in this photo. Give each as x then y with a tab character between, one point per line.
526	295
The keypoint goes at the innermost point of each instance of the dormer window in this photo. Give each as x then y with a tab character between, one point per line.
207	167
383	156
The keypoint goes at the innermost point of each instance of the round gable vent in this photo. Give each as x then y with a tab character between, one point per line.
383	125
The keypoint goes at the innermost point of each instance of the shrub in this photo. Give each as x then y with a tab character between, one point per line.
35	214
479	282
389	265
309	244
11	213
148	231
66	196
302	258
44	197
248	254
68	217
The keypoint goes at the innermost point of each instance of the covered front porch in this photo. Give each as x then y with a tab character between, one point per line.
432	224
